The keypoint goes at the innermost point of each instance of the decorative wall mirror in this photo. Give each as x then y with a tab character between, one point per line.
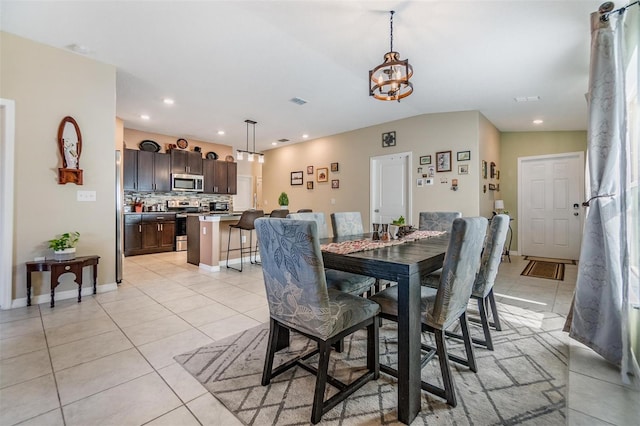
70	147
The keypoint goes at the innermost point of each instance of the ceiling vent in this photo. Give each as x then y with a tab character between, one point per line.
526	98
298	101
283	140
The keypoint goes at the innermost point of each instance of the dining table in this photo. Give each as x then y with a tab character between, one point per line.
404	263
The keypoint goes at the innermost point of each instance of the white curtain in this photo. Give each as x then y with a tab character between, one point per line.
601	305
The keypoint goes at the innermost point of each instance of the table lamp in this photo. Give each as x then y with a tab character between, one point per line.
499	205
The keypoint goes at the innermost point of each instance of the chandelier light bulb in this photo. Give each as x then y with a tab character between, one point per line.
239	155
260	158
250	156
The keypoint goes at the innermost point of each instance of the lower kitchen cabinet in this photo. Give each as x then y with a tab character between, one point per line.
149	233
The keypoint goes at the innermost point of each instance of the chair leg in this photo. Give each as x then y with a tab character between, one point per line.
494	311
339	346
274	328
373	349
447	377
482	308
321	381
468	347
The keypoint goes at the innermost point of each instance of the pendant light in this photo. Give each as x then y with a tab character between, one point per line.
251	155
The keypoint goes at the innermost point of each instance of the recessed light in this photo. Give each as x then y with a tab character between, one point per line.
145	117
168	101
538	121
305	136
221	132
274	143
79	48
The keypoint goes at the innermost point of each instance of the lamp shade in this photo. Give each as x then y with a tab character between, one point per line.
499	204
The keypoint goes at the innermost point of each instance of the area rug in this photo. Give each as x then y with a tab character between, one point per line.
547	270
548	259
522	381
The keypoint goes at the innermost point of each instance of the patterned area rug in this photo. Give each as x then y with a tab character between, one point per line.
547	270
523	381
548	259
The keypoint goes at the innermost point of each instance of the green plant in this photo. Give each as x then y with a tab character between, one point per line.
399	221
65	241
283	199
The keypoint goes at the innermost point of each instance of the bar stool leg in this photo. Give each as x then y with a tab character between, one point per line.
241	249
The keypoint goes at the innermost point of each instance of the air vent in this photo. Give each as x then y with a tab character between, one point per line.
526	98
298	101
283	140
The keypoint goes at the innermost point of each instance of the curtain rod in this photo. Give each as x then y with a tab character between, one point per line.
605	9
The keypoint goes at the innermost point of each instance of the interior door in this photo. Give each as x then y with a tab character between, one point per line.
551	188
390	188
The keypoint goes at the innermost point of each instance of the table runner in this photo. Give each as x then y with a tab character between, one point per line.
354	246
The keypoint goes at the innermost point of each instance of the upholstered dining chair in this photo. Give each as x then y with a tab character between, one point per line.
437	221
279	213
304	211
300	301
344	281
346	223
441	308
246	223
483	285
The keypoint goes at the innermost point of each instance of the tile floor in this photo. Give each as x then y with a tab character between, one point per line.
109	360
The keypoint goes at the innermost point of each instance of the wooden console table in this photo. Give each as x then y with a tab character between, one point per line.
59	267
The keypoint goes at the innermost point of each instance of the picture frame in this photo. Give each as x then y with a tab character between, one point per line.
297	178
443	161
388	139
464	155
335	183
334	167
463	169
484	169
322	174
492	170
498	174
492	187
309	184
431	171
425	159
309	170
419	182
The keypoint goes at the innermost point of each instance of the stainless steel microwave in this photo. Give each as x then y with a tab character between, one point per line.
193	183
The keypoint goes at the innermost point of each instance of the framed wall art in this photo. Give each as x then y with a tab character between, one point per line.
425	159
334	167
463	169
309	170
443	161
309	184
322	174
296	178
492	170
388	139
464	155
484	169
335	183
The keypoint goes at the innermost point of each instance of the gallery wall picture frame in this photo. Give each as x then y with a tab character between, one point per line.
335	167
388	139
492	187
296	178
443	161
498	174
309	170
335	183
322	174
425	159
484	169
463	169
492	170
309	184
464	155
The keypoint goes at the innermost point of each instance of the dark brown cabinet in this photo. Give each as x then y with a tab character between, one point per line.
149	233
130	170
146	171
186	162
220	177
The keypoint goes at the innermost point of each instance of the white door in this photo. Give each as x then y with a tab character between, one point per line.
243	200
390	188
550	189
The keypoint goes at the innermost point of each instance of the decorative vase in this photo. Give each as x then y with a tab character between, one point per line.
66	254
284	207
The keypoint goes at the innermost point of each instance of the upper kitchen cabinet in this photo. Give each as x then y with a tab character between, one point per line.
220	177
130	169
154	172
186	162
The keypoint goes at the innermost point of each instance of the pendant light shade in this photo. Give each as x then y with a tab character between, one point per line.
251	155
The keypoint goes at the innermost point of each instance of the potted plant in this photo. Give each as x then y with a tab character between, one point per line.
283	200
64	247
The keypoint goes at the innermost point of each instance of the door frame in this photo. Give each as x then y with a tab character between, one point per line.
408	177
7	148
580	177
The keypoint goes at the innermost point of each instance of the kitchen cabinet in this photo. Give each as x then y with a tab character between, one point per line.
220	177
186	162
149	233
130	169
154	172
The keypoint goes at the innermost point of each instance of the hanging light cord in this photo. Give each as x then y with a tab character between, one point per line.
391	25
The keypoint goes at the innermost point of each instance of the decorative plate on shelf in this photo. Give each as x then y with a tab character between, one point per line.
212	155
149	145
229	158
182	143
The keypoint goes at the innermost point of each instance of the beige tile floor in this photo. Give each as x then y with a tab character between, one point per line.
109	360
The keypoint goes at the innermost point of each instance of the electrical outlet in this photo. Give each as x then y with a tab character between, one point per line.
244	239
86	195
333	201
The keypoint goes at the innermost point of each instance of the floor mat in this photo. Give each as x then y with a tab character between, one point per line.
548	259
547	270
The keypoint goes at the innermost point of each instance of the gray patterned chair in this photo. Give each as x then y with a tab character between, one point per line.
299	301
346	223
344	281
279	213
437	221
441	308
483	285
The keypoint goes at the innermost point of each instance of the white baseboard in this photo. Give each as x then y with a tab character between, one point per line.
62	295
209	268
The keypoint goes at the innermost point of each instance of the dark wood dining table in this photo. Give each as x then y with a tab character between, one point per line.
405	264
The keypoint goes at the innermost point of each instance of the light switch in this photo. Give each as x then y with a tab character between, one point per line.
333	201
86	195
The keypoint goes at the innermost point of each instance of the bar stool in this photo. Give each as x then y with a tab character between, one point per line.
245	223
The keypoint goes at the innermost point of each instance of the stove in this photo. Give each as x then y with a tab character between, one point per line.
182	207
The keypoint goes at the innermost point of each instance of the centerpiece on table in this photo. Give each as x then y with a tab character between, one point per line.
64	247
283	201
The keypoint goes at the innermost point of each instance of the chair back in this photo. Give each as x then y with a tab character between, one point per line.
437	221
346	223
304	211
459	271
318	218
294	275
279	213
491	255
248	218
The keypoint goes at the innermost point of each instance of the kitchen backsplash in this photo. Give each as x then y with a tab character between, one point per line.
149	199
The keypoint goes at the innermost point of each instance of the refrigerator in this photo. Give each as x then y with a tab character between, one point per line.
119	217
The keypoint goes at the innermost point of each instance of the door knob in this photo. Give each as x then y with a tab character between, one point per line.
377	210
576	214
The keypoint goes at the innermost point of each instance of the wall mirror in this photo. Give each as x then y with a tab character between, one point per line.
70	147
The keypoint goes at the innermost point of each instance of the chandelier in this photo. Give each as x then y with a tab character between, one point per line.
251	155
389	81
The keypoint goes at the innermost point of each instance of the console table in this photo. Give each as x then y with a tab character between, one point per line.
59	267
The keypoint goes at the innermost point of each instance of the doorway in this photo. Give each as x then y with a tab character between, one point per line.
550	189
390	188
7	150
